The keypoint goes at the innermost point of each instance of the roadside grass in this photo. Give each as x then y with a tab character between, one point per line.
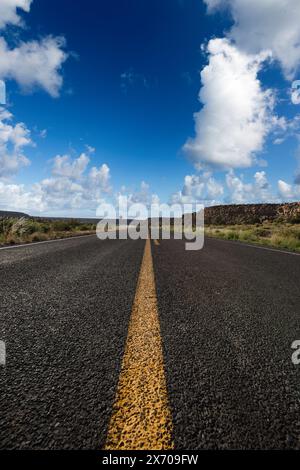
15	231
277	235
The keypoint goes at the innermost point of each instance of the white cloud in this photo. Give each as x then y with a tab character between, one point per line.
73	187
214	189
66	167
34	64
199	188
266	25
295	94
15	197
192	191
13	139
31	64
90	149
193	187
206	190
100	177
237	114
240	192
141	196
288	191
261	180
9	13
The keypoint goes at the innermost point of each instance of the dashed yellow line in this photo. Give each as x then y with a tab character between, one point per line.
141	418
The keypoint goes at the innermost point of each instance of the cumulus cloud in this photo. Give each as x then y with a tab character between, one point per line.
34	64
265	25
9	13
237	113
31	64
66	167
295	95
288	191
100	177
72	186
199	188
214	189
192	190
241	192
13	139
16	197
297	179
206	190
261	180
126	197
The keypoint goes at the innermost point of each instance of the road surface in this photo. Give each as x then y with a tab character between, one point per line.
79	316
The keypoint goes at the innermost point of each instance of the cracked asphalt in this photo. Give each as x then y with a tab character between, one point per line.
228	316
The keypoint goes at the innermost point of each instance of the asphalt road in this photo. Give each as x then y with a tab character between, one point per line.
65	309
228	315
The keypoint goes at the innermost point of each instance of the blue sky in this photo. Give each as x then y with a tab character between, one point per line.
103	95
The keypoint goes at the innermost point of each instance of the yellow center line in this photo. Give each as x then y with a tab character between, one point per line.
141	418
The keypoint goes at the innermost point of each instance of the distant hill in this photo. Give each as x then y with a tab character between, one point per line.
18	215
252	214
13	214
233	214
79	219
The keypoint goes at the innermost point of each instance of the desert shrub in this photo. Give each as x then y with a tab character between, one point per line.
65	225
32	226
84	227
247	235
295	220
61	225
45	228
6	225
38	237
262	232
286	236
13	230
232	235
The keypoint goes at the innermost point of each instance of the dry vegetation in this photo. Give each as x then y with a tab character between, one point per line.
278	235
23	230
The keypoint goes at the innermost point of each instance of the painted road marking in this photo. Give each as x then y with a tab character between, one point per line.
156	243
2	353
141	418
